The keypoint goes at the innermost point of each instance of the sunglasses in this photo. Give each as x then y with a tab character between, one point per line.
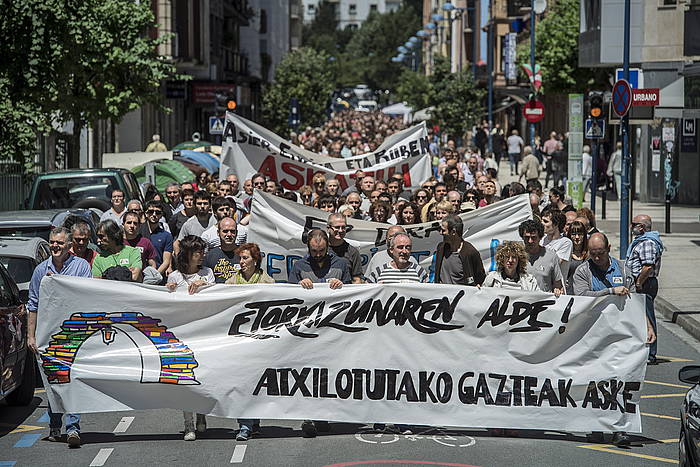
154	211
56	242
80	240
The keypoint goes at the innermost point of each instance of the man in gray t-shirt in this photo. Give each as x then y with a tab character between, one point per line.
542	262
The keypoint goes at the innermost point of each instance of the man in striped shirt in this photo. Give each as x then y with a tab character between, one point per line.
400	269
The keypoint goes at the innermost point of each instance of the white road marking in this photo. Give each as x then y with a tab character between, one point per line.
124	424
101	457
238	454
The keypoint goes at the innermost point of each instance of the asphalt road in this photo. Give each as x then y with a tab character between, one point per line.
155	437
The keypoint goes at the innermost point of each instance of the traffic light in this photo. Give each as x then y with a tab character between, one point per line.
231	103
595	100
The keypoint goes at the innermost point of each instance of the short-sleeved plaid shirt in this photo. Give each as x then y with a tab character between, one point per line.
645	253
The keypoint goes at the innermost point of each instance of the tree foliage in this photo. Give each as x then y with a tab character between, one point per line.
305	74
80	61
457	103
556	51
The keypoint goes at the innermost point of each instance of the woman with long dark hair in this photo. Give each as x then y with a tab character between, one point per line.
409	214
190	275
579	252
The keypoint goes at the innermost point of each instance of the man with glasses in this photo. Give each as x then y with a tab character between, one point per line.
337	228
63	263
185	214
113	252
201	221
599	276
222	208
258	182
116	212
80	233
172	192
161	239
223	259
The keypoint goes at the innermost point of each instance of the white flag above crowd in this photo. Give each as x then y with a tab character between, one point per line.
278	224
422	354
249	148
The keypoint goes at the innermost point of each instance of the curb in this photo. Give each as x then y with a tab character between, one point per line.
676	316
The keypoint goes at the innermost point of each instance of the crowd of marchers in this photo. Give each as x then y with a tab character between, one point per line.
195	235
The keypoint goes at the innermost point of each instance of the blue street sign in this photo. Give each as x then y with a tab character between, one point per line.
294	118
216	125
636	77
621	97
595	128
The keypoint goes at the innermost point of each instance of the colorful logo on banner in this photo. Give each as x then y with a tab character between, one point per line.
164	358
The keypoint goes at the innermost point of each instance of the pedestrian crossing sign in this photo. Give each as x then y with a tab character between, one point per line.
216	125
595	128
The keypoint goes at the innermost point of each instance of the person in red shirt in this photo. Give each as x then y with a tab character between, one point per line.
132	237
81	238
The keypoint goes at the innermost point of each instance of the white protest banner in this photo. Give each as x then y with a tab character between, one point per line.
277	226
249	148
417	354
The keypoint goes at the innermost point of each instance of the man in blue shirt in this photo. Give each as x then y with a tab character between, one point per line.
320	265
604	275
65	264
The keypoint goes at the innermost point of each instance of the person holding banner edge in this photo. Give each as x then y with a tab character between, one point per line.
599	276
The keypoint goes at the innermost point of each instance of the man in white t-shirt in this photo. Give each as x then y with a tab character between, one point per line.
400	269
515	147
554	221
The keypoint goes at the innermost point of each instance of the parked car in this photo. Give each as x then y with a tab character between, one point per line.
17	365
20	255
81	188
689	439
39	223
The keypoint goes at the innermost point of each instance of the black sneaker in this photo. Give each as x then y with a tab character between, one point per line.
322	426
73	439
54	434
595	437
308	428
620	438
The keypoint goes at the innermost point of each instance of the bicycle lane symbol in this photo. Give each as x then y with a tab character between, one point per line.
371	436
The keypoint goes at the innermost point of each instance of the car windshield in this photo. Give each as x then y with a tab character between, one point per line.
20	269
41	232
65	192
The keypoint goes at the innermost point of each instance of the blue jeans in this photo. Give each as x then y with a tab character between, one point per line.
513	157
72	421
248	423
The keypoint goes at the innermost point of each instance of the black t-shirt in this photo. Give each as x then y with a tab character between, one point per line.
223	263
351	255
176	223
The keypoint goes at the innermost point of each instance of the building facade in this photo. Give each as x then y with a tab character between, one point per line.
664	38
350	13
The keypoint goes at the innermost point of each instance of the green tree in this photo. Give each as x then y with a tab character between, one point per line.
458	103
305	74
415	89
556	51
370	50
79	61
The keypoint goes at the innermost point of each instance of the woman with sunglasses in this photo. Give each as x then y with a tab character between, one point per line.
319	186
306	195
421	197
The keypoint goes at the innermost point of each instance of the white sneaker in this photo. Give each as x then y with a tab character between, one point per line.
190	436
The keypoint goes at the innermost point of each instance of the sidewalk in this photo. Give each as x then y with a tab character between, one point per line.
679	282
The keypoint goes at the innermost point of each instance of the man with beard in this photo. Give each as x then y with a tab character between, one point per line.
63	263
222	208
201	221
456	260
113	252
223	260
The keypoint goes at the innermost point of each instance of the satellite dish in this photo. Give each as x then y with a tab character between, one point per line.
540	6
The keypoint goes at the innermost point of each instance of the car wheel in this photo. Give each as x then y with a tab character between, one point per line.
683	460
24	394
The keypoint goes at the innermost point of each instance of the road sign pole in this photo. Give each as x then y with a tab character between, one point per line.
489	66
624	199
532	64
594	173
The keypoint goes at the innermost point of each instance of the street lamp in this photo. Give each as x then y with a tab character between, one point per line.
402	49
449	7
